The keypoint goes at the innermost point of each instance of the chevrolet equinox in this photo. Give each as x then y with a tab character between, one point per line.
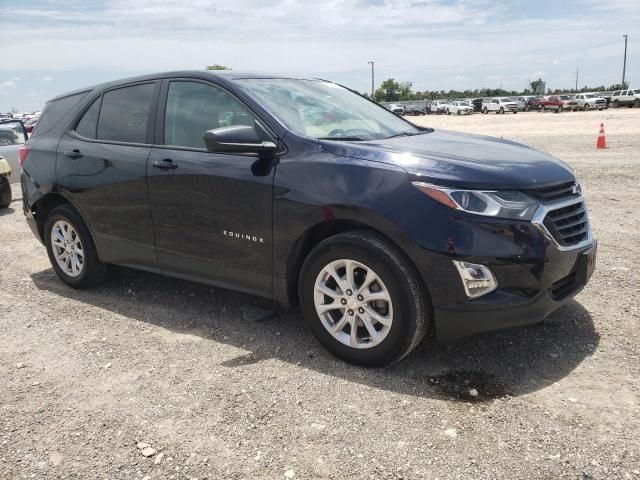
303	191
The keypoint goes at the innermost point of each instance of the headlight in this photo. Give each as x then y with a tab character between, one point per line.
502	204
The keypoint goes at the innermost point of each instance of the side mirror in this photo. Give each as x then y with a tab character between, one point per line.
237	139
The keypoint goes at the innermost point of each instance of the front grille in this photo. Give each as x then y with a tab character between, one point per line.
568	225
554	193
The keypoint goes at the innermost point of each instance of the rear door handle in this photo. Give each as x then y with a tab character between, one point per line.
166	164
73	154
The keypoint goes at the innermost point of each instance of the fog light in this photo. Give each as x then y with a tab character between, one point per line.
477	280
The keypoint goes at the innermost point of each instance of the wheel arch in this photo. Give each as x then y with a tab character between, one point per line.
48	202
315	234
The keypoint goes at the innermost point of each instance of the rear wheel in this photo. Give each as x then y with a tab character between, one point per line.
636	103
587	107
71	249
362	300
5	192
501	111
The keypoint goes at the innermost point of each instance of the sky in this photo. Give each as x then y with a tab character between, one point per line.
49	47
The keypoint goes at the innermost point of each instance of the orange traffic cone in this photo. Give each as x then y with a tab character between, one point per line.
601	142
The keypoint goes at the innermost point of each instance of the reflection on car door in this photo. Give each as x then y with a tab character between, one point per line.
103	162
211	211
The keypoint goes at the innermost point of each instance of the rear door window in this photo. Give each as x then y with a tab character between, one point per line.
88	124
124	114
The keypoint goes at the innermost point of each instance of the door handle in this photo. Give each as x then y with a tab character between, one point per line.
166	164
73	154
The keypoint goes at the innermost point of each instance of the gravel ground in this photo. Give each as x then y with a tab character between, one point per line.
149	377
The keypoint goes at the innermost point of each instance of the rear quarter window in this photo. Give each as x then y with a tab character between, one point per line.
54	111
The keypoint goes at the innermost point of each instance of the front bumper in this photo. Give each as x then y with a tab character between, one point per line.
535	275
452	325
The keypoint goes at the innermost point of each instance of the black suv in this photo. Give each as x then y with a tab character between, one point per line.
306	192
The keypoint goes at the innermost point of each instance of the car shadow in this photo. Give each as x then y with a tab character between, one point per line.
506	363
6	211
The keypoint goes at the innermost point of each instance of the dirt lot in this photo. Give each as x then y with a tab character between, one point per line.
87	375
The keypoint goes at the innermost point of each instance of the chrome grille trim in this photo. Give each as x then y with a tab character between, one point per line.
541	214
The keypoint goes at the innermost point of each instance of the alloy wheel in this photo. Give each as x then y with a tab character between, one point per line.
353	304
67	248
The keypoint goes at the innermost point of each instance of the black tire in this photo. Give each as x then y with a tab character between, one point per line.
636	103
587	107
93	270
411	305
485	111
526	108
515	111
5	192
616	104
501	111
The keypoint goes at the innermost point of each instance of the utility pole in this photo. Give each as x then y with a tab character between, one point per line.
576	80
624	65
372	80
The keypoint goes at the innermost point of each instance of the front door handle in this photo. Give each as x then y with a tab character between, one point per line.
166	164
73	154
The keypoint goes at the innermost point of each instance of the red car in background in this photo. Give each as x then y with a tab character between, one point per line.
568	102
30	124
552	102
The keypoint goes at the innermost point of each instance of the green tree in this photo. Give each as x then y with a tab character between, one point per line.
215	66
388	91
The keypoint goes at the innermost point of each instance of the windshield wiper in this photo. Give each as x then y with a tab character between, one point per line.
405	134
342	139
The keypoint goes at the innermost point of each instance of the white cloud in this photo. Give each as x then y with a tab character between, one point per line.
428	42
46	79
7	84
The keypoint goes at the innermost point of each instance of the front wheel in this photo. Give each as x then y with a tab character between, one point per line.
636	103
71	249
5	192
501	111
362	299
587	107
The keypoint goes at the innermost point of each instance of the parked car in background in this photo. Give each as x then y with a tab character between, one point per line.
568	103
628	98
476	103
525	103
30	124
415	110
13	135
459	108
551	102
5	185
379	229
397	108
439	106
500	105
588	101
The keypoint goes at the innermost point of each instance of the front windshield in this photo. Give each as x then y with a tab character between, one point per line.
591	95
324	110
464	104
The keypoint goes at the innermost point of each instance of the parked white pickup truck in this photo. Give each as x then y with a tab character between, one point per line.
587	101
500	105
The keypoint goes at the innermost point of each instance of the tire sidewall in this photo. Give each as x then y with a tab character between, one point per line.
5	192
405	307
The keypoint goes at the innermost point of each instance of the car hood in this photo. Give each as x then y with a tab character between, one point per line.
461	160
